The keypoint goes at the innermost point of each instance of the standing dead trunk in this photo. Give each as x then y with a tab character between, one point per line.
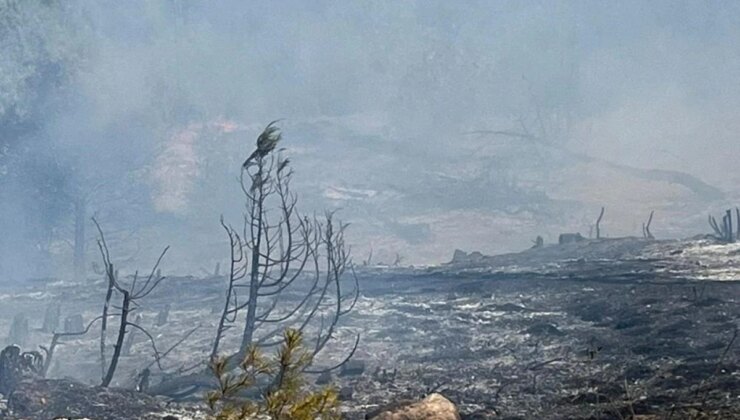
729	226
106	308
119	341
598	224
254	276
646	227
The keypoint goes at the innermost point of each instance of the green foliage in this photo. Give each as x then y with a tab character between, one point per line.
285	395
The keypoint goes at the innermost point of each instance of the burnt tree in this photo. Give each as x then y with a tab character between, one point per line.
598	224
646	227
285	270
724	232
130	296
276	249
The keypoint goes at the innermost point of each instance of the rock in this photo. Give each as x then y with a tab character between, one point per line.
433	407
324	378
569	238
345	393
459	256
476	256
352	368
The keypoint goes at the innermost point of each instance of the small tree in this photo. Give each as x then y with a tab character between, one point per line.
273	249
284	396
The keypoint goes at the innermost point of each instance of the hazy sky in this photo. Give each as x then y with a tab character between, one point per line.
149	94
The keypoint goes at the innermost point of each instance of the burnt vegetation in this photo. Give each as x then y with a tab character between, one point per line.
724	231
275	251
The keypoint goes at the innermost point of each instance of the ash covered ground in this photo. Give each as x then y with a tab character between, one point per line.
598	329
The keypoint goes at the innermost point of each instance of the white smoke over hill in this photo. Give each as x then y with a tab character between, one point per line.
433	125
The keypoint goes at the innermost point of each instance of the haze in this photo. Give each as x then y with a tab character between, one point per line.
430	125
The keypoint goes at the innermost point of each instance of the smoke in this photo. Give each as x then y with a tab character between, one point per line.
122	104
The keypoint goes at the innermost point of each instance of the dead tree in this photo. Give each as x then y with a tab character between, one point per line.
717	231
724	232
57	339
598	224
130	296
728	221
646	227
539	242
272	253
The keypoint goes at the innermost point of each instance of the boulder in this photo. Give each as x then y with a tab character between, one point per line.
459	256
324	378
569	238
352	368
433	407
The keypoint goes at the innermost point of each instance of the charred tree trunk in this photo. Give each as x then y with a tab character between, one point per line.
598	224
106	308
254	275
730	232
646	227
725	232
118	347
